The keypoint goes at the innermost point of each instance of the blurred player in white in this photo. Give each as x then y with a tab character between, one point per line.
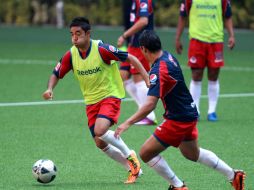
141	18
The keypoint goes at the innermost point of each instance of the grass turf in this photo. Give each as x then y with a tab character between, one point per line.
60	133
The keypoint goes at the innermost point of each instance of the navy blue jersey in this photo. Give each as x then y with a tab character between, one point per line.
167	83
141	8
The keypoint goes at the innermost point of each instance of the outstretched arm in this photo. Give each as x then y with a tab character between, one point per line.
149	106
138	65
48	94
229	27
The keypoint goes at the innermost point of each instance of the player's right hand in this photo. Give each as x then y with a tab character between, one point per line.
48	95
179	47
120	41
120	129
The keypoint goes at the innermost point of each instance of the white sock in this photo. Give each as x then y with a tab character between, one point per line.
109	138
195	90
131	89
213	95
210	159
162	168
142	96
116	155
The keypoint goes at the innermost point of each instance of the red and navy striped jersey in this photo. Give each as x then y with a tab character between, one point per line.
186	6
141	8
107	52
167	83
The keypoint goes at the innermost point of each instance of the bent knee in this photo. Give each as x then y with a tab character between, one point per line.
191	157
100	143
145	156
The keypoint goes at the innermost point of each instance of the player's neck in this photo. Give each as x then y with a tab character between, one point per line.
84	48
156	55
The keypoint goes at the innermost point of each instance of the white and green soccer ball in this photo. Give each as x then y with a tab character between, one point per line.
44	171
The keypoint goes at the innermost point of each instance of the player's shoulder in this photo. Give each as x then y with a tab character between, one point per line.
108	47
67	54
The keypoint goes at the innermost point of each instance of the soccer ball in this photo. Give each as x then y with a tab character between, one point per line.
44	171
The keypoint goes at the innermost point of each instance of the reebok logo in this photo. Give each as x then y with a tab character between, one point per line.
89	71
199	6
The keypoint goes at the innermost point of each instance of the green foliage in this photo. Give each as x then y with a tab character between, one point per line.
109	12
72	10
166	16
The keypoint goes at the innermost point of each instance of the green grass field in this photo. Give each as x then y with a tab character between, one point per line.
31	130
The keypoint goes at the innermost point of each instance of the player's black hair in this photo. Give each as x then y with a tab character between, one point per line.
150	40
82	22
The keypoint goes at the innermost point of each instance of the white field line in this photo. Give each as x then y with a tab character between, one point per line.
26	62
16	104
51	62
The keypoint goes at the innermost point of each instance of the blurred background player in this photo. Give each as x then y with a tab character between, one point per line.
59	6
93	65
126	5
206	19
180	118
141	18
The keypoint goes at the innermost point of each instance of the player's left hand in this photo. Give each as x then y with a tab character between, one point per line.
120	129
231	42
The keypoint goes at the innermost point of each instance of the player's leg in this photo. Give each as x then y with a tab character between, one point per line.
197	63
215	62
141	85
100	117
142	94
102	131
193	152
112	152
128	82
196	85
213	93
150	154
107	116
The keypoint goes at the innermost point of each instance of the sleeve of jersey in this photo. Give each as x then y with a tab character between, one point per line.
164	82
185	8
63	66
154	89
144	8
226	7
109	53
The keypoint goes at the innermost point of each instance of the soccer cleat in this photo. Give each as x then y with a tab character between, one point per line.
238	181
134	164
132	178
171	187
212	117
146	121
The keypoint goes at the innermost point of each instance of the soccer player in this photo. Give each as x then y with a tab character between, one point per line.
94	65
180	118
141	18
206	19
